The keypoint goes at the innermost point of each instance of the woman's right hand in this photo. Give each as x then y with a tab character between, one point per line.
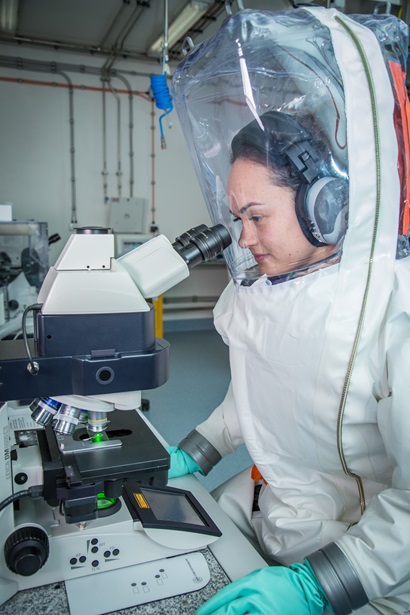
181	463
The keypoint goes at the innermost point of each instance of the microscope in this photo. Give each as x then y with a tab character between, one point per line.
83	477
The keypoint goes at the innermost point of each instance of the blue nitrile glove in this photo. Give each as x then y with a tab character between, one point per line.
274	590
181	463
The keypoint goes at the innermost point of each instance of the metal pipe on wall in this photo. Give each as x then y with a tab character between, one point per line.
153	207
127	30
72	146
104	172
165	46
8	24
112	25
20	63
118	45
75	86
131	129
119	167
54	68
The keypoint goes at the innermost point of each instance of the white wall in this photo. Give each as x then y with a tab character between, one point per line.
35	173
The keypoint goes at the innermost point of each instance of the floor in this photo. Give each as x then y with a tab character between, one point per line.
199	378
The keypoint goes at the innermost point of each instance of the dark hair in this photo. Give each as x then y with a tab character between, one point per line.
268	147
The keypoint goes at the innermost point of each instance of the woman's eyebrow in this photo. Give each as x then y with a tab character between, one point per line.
245	207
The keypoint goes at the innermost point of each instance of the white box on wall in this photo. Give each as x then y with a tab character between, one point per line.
6	212
128	214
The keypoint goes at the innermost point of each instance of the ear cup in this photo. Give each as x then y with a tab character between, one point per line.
303	217
322	210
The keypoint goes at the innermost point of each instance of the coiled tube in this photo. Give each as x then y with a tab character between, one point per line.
162	99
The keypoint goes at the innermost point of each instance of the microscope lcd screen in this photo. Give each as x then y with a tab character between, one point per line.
168	508
172	507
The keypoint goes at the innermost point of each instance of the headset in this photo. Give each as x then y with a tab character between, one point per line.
322	197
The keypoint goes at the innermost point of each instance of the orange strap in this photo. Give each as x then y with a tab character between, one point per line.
402	125
256	475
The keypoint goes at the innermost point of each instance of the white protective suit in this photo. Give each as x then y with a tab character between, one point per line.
320	368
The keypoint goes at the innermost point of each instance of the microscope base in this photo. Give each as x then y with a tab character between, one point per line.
101	546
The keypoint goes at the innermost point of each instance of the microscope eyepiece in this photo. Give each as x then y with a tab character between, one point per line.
202	243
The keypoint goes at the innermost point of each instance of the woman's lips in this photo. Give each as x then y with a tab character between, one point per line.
260	257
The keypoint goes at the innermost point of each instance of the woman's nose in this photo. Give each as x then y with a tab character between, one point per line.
248	235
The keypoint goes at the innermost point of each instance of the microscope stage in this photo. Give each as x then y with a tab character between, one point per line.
139	451
132	453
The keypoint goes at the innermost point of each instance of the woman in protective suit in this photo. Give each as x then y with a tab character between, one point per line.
297	126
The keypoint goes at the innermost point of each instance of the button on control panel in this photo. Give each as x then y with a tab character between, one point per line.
87	559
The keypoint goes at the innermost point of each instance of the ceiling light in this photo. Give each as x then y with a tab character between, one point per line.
8	15
180	26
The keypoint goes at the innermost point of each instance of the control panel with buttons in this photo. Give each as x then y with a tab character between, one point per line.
94	547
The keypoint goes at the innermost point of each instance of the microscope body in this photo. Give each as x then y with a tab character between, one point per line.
75	435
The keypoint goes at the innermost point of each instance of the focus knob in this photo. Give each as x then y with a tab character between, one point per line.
26	550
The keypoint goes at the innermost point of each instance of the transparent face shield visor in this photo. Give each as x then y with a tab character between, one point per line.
264	121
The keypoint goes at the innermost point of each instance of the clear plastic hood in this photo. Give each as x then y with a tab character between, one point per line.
271	81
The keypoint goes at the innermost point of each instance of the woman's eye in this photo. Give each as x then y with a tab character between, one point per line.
250	219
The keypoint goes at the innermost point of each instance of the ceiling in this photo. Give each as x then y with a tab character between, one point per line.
122	27
125	28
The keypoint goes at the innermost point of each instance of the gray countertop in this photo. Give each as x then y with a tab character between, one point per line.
52	598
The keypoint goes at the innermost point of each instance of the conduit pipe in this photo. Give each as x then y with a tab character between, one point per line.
104	172
127	30
61	69
159	85
117	48
130	128
119	168
57	71
112	25
72	145
153	223
42	66
84	49
84	88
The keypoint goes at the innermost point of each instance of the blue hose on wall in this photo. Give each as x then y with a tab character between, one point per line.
162	99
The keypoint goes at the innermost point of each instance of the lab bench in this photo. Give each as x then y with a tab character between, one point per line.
53	598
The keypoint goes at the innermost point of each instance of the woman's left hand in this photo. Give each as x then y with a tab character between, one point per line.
273	590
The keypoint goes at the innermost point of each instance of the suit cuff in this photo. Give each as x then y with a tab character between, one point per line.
200	450
338	579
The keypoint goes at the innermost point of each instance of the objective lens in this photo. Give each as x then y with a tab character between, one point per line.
44	410
67	420
201	243
97	422
83	418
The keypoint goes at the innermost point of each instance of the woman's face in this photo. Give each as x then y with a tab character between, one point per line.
266	212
